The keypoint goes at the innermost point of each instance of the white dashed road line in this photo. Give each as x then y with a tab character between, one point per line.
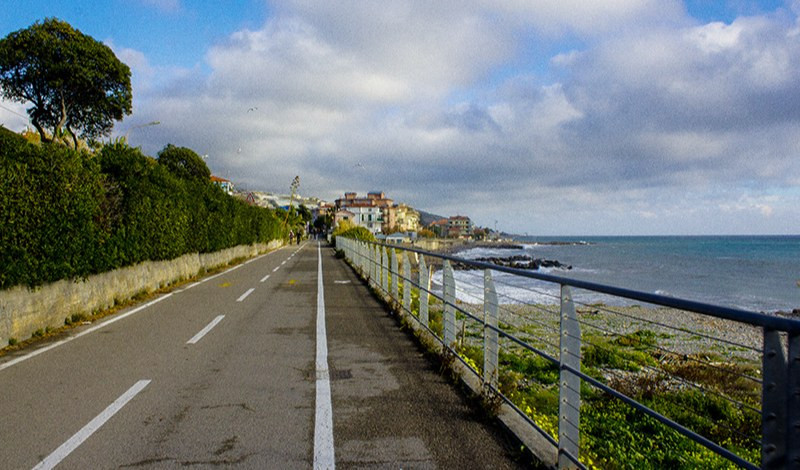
78	438
205	330
244	296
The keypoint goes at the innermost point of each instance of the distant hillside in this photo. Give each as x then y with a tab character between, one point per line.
425	218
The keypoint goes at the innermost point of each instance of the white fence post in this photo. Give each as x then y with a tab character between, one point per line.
395	276
424	287
385	273
490	336
449	303
406	282
569	392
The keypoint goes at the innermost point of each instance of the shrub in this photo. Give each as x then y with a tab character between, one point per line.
68	214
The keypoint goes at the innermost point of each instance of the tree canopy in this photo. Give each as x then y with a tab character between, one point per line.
184	163
75	84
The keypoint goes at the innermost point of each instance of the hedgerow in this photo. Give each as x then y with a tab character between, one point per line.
66	214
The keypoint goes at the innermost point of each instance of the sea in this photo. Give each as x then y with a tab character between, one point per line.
756	273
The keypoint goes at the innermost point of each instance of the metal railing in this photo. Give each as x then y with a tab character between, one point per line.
693	384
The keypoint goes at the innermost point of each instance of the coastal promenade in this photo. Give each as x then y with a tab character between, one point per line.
285	361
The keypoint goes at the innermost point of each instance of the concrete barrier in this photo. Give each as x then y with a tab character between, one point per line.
24	311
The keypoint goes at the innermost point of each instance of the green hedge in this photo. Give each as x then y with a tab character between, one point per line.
68	214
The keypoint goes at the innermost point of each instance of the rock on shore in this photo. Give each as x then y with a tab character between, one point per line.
517	261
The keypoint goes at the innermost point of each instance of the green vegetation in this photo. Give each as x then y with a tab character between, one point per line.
68	214
76	84
714	394
615	435
346	229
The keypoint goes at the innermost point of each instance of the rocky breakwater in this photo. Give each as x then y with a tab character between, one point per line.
516	261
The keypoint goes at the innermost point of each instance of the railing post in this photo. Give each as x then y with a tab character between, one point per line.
424	288
386	274
395	277
366	257
490	337
362	249
569	392
376	266
779	418
406	282
449	317
362	259
793	402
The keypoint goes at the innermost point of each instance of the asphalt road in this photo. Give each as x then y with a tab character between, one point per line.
232	372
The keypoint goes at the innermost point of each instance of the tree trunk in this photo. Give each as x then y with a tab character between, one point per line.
42	133
74	137
57	130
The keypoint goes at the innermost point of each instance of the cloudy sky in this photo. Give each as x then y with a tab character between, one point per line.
548	117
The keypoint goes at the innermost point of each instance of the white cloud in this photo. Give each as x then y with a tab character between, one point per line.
587	18
648	120
13	115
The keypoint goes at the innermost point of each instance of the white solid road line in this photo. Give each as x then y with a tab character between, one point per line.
76	440
244	296
205	330
264	278
84	332
323	419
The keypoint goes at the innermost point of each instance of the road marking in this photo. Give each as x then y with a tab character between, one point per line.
276	269
341	282
205	330
283	262
84	332
244	296
264	278
211	277
78	438
323	418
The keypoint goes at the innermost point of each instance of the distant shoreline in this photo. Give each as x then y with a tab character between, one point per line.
506	245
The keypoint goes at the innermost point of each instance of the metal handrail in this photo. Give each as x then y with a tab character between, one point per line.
788	325
780	357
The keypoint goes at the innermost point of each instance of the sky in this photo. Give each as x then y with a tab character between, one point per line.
545	117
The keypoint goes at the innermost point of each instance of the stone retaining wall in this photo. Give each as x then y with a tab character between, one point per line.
24	310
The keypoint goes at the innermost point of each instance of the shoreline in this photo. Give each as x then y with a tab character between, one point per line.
458	248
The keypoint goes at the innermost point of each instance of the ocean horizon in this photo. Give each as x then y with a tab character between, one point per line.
751	272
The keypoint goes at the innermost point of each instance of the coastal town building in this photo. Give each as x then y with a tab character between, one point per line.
322	210
378	213
438	227
343	214
459	226
374	198
404	218
226	185
370	217
371	212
